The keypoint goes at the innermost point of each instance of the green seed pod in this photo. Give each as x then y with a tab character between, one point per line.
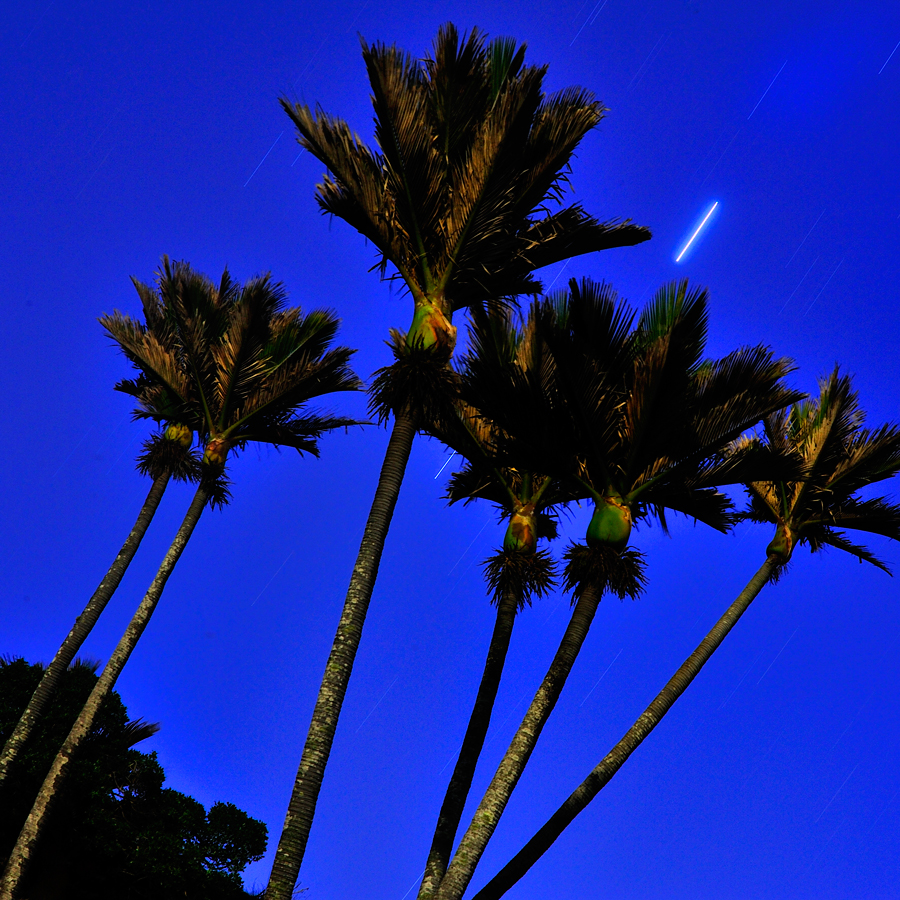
782	545
610	525
179	433
431	327
216	453
521	534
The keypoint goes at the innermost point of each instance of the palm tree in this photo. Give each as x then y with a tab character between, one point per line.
237	364
470	153
526	501
165	455
648	421
838	459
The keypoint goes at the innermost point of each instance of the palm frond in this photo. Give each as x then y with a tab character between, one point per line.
160	455
868	457
876	516
588	335
817	538
412	164
572	232
289	386
838	457
458	95
603	569
419	382
560	123
230	363
470	153
705	505
526	575
138	730
300	432
821	430
765	503
669	340
239	354
143	349
357	191
746	461
738	391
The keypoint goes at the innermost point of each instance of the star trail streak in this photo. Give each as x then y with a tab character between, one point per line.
699	228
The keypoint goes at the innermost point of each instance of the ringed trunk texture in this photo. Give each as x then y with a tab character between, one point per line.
492	805
81	629
615	759
302	806
461	780
34	824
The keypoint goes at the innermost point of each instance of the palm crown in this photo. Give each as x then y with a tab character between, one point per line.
230	362
630	414
469	151
839	458
495	469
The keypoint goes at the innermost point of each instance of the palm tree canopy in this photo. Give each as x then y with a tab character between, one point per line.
839	458
493	468
629	412
470	151
230	362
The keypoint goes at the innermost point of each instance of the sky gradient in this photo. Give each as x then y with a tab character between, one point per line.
137	131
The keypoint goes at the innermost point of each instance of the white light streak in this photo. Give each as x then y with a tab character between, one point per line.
263	159
794	291
716	163
418	879
837	792
273	577
808	233
808	308
766	91
366	719
776	657
691	240
444	466
591	691
563	269
885	62
589	20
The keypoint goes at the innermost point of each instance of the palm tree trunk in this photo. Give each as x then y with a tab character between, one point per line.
31	831
302	806
461	780
473	844
82	628
615	759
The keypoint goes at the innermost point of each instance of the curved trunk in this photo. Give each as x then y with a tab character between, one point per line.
613	761
82	628
461	780
473	844
37	818
302	806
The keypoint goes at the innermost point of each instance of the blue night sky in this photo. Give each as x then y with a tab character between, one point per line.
137	130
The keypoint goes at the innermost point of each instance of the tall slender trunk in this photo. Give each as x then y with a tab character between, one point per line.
302	806
476	838
82	628
613	761
461	780
34	824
